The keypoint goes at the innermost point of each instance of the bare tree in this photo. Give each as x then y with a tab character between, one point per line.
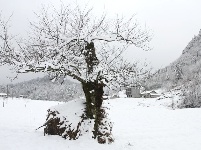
72	42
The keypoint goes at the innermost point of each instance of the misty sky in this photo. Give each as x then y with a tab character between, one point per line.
172	22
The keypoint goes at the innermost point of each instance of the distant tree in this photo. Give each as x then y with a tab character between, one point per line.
71	42
192	93
178	73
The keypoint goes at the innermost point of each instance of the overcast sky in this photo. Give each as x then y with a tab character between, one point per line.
173	23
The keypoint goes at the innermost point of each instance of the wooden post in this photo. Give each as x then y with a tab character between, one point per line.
7	90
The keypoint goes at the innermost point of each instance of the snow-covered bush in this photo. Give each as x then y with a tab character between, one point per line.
192	94
69	121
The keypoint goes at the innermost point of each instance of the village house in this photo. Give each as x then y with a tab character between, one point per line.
4	95
150	94
23	96
133	91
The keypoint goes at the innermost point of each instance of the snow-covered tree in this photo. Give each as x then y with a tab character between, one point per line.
178	72
72	42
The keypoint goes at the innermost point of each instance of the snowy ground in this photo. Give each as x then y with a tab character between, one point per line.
139	124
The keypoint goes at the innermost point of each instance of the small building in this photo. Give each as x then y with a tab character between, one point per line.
23	96
133	91
150	94
4	95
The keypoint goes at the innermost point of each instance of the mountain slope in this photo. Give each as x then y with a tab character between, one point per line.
184	72
183	69
45	89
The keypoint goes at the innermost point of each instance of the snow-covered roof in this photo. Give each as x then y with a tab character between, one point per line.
3	94
153	92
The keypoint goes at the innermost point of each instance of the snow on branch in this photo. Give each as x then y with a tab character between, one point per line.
72	42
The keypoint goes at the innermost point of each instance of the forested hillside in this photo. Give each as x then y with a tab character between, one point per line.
45	89
185	72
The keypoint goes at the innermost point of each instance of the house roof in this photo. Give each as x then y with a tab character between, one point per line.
150	92
3	94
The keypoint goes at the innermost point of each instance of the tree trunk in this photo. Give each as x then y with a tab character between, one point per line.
59	125
94	98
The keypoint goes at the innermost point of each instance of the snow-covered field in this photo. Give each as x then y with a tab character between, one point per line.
139	124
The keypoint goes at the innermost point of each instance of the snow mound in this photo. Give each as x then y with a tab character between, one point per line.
69	121
72	111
